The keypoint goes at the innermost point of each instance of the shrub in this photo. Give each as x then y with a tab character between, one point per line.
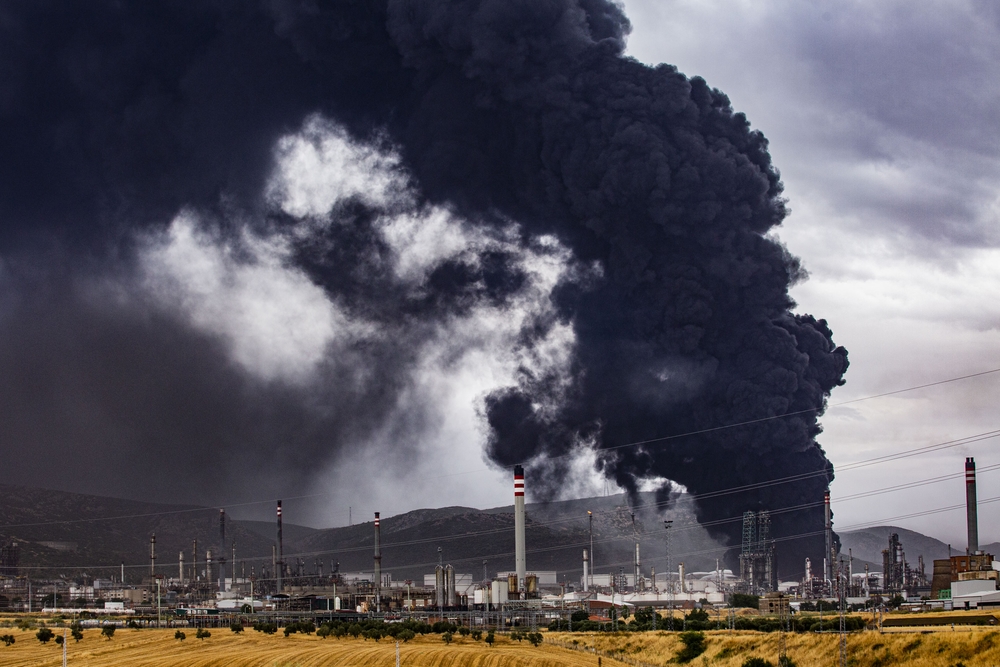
490	638
447	637
44	635
108	631
406	635
60	639
535	638
7	639
477	634
694	645
464	631
266	628
202	634
236	628
754	661
744	600
180	636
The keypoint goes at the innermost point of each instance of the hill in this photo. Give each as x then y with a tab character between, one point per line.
71	533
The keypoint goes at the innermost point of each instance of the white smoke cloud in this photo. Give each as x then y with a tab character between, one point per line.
279	325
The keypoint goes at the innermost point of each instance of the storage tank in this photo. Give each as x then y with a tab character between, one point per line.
449	573
531	584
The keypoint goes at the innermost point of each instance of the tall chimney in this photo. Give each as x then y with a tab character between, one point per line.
279	565
152	555
194	561
585	578
378	563
828	532
180	567
970	504
519	563
636	570
208	567
222	551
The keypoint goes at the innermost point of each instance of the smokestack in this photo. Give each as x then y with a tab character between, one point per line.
279	565
970	504
590	522
585	578
152	555
208	567
680	577
378	564
222	551
194	560
519	564
180	567
636	570
828	533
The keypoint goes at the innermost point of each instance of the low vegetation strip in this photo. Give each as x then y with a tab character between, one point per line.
930	621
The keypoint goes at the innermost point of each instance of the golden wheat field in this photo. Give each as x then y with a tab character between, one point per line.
979	647
158	648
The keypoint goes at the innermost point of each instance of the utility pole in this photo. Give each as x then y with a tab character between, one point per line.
843	612
670	582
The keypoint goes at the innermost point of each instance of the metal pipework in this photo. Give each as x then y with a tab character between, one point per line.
828	533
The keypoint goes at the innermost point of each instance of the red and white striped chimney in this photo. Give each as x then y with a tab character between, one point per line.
519	562
970	504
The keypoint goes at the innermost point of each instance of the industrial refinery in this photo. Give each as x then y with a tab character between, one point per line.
211	582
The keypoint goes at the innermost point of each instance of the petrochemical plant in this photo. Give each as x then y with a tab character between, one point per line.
215	585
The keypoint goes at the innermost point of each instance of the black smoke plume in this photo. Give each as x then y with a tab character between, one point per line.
116	115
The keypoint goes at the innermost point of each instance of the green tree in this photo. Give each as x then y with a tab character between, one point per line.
406	635
44	635
744	600
490	638
755	661
581	615
236	628
698	615
60	639
180	636
535	638
464	631
7	639
694	645
108	631
76	634
202	634
477	634
447	637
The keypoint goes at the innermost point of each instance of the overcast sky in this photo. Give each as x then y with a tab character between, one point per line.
884	119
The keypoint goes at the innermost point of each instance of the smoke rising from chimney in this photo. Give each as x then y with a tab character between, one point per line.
614	220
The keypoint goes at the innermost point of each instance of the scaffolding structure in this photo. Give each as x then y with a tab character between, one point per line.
758	570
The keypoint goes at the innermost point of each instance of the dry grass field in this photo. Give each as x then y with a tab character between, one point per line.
979	647
975	647
158	648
